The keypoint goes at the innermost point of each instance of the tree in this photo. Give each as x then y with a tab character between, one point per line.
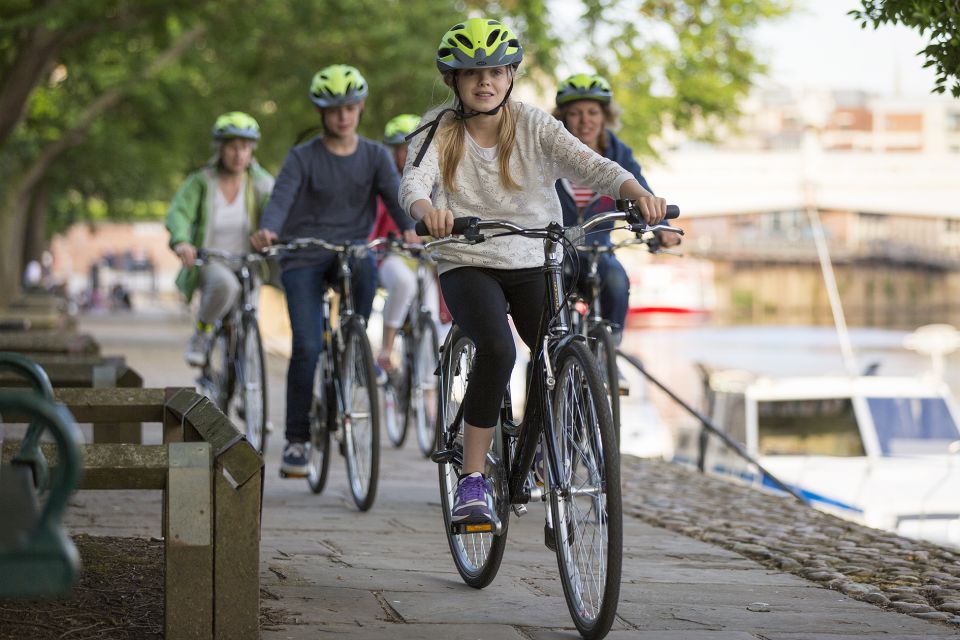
106	104
163	70
683	63
940	17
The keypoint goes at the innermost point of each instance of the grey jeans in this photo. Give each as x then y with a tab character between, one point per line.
219	290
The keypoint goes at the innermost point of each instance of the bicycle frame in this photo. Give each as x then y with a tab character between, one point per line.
555	331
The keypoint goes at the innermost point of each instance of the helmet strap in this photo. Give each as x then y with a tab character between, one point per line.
459	113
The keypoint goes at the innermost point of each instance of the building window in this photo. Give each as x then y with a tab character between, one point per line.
953	121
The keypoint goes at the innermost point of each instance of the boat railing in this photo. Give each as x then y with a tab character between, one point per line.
709	428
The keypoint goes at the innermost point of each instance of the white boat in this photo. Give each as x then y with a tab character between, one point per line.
880	450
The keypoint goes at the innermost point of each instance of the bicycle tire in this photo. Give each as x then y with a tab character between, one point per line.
361	420
320	418
586	508
605	352
253	386
396	393
423	386
219	372
477	556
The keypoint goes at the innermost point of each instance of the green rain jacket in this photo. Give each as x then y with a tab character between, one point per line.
189	212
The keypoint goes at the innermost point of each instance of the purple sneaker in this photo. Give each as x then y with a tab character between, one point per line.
473	502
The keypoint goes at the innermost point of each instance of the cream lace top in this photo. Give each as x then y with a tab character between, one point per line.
544	152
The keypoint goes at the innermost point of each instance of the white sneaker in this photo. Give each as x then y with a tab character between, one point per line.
198	349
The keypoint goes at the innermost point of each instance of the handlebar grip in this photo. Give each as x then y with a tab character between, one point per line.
673	211
459	226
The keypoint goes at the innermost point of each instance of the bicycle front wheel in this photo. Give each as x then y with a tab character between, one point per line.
586	503
423	384
322	419
605	351
218	374
253	387
477	556
360	413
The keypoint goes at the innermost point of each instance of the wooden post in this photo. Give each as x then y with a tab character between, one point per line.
188	536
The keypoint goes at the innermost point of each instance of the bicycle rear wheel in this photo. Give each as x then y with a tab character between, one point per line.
586	505
253	387
477	556
605	351
361	420
321	420
396	393
423	384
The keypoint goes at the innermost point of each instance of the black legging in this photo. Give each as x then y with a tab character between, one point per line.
477	298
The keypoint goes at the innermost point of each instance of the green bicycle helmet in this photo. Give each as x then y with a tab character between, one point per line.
478	42
235	124
584	86
337	85
396	131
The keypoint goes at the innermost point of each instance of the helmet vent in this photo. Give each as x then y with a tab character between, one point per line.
492	37
464	40
444	52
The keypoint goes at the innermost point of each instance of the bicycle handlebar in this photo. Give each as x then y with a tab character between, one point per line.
470	227
355	248
205	255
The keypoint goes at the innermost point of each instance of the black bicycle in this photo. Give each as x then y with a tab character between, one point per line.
345	406
411	387
568	418
235	375
586	319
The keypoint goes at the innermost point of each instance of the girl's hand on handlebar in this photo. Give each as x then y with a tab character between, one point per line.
410	237
262	238
668	238
652	209
439	222
187	253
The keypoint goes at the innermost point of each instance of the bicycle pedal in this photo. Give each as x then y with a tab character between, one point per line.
466	528
287	474
443	456
624	391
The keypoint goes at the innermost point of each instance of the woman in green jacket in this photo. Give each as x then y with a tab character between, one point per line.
218	207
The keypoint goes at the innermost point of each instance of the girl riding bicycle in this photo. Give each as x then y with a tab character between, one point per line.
396	275
217	207
327	188
496	158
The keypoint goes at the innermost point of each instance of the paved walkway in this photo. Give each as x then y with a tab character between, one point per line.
329	571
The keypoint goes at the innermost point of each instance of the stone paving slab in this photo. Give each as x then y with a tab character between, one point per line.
388	573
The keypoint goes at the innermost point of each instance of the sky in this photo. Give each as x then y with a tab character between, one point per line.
820	46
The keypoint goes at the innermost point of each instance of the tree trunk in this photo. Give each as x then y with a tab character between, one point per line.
12	226
16	196
35	233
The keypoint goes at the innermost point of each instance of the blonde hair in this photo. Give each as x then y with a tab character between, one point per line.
451	144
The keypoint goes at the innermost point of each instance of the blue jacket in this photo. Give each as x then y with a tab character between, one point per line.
622	155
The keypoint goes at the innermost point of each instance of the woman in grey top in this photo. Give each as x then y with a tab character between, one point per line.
217	207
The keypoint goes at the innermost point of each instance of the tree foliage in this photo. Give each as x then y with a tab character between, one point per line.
682	63
941	18
106	104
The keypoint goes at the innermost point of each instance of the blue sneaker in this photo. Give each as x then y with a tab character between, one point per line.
473	502
295	460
